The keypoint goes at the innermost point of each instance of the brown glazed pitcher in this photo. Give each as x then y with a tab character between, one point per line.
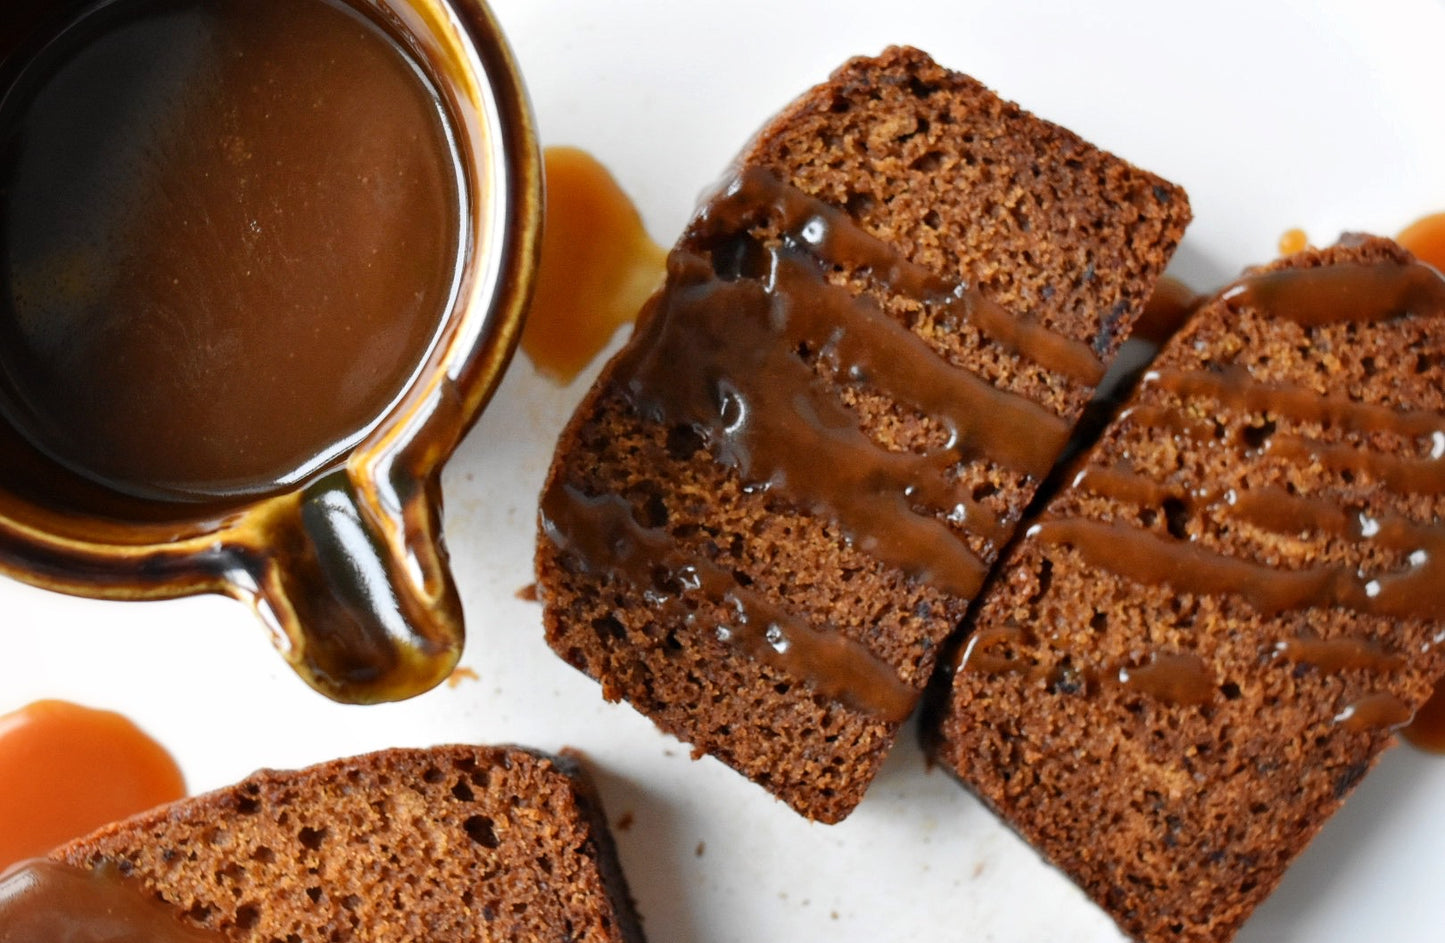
348	569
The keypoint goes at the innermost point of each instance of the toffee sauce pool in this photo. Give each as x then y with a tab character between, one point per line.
229	231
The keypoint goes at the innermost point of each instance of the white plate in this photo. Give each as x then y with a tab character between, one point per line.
1272	113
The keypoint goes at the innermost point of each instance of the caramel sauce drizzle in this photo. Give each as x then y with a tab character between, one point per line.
720	356
1172	677
1233	389
1149	416
603	534
725	350
1269	508
47	902
1123	486
1153	560
1375	712
1311	298
1365	293
1339	654
714	361
1415	476
979	654
832	235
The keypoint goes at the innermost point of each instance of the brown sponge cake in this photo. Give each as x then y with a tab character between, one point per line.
1206	640
447	845
777	501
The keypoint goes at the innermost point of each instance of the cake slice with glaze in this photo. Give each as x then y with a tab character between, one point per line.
777	501
450	845
1206	640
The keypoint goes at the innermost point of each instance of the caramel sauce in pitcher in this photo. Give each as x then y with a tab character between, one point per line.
229	231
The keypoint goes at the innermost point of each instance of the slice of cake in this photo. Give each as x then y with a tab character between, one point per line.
445	845
779	498
1208	637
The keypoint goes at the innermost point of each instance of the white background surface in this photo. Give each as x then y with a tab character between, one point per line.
1272	114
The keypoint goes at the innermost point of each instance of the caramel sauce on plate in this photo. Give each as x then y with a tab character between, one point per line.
46	902
229	231
65	770
598	266
1426	239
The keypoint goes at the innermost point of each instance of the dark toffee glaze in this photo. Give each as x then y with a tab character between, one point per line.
1427	729
1169	306
229	231
1170	677
602	533
757	197
1361	292
733	347
1376	711
1414	590
45	902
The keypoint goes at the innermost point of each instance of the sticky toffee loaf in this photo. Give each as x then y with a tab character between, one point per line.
776	503
447	844
1208	637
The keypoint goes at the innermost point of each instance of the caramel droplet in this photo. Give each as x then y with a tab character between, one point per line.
459	675
598	266
1292	241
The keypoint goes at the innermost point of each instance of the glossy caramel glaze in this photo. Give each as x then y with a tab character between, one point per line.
1426	239
1427	730
602	532
1256	541
1356	293
67	769
598	266
731	350
1169	306
45	902
229	231
1170	678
